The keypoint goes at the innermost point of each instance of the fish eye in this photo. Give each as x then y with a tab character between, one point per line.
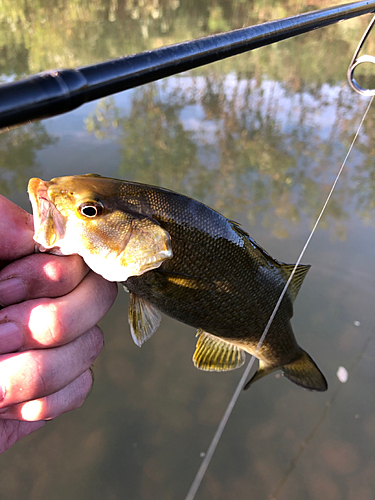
91	209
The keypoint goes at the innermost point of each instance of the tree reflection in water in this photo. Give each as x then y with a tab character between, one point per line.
257	149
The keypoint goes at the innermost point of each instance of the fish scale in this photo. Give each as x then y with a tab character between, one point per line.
178	256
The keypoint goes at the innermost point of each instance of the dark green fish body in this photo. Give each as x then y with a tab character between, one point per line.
216	279
219	280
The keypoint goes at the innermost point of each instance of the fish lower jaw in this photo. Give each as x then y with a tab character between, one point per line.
112	269
39	247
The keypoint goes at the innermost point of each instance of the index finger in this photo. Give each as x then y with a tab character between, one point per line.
16	229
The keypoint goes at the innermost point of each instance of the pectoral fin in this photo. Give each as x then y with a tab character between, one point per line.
144	319
215	354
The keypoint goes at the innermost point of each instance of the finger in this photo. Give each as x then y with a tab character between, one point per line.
35	374
69	398
53	322
40	275
16	229
12	431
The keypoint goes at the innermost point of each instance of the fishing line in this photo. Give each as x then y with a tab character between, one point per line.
215	440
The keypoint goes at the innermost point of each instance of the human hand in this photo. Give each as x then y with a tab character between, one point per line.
48	333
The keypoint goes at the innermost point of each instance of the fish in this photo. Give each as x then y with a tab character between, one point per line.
177	256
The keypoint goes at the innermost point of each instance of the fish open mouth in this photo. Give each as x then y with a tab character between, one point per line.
49	224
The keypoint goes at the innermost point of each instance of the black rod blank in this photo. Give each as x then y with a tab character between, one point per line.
58	91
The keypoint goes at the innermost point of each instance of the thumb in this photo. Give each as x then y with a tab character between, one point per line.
16	231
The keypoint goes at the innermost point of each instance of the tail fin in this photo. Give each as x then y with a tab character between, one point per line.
261	372
302	371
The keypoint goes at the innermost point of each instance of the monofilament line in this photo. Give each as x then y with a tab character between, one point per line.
215	440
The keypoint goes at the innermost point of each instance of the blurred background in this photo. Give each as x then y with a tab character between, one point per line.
259	137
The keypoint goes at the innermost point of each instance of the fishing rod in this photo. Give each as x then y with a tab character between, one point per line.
54	92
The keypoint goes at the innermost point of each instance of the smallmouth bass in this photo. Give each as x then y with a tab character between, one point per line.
178	256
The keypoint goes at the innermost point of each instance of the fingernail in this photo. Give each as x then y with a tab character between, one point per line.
10	337
12	291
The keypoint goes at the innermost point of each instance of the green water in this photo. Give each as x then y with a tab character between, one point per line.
260	138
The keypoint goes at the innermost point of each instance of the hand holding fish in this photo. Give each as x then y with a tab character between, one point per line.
48	332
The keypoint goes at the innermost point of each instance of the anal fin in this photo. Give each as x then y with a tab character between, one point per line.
214	354
144	319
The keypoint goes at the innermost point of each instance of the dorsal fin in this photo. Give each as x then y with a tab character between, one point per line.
299	276
215	354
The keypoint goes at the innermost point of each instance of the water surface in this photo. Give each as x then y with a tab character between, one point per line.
260	138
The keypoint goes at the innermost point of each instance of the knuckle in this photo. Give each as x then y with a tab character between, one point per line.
61	272
94	343
86	383
106	290
53	271
46	274
41	382
69	398
32	411
26	377
44	323
8	434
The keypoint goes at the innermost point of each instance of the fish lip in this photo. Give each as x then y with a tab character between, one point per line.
46	216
